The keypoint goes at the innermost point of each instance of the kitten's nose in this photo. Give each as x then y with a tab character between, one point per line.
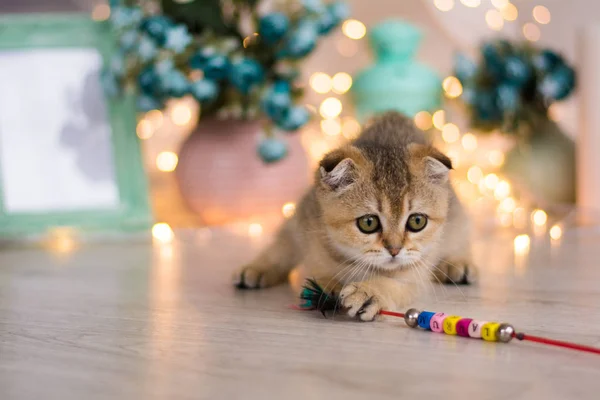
394	251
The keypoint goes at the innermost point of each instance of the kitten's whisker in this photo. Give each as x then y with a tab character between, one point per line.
450	279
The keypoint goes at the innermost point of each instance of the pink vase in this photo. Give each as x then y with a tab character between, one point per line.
223	180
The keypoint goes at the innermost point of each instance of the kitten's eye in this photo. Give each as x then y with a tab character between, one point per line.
368	223
416	222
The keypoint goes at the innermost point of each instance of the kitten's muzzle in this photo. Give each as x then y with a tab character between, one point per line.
394	251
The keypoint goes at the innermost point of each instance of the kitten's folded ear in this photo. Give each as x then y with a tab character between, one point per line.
437	164
338	169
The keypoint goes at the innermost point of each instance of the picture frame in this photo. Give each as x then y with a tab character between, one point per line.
69	155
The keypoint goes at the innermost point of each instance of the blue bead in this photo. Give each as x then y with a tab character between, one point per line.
517	70
294	119
272	150
424	319
464	67
216	67
110	83
245	74
273	27
277	100
204	90
175	83
546	60
302	41
177	39
147	49
314	6
339	10
122	17
509	97
199	59
128	40
148	81
157	27
147	103
558	84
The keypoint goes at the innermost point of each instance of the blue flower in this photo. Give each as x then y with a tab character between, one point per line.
494	63
164	66
339	10
175	83
271	150
117	64
295	118
277	101
302	40
547	60
245	74
128	40
148	81
464	67
157	27
313	6
558	84
109	83
273	27
123	17
199	59
204	90
517	70
147	49
178	39
509	97
216	67
326	22
486	108
147	103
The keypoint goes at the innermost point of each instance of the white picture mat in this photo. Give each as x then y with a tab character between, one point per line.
55	137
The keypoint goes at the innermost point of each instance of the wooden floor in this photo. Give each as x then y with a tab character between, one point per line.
136	321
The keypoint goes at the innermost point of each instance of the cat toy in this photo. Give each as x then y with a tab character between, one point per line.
315	298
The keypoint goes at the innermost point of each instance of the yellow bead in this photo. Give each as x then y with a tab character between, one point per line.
450	324
489	331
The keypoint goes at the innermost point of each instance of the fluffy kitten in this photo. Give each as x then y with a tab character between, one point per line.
380	218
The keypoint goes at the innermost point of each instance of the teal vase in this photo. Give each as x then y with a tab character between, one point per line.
396	81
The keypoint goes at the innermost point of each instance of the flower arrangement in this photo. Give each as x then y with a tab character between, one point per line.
235	59
513	85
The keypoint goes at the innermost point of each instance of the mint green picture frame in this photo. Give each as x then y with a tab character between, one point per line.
133	215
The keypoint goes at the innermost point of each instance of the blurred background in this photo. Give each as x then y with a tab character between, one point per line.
238	100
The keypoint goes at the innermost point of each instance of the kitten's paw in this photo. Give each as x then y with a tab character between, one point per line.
252	277
455	272
362	301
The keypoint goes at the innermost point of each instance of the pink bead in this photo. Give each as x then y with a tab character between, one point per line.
475	328
462	327
437	322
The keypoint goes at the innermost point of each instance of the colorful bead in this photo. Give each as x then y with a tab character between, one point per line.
425	319
450	324
462	327
437	322
475	328
489	330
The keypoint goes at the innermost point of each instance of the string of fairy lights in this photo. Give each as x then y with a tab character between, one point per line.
476	178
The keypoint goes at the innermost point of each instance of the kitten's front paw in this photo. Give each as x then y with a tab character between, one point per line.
253	277
363	300
456	272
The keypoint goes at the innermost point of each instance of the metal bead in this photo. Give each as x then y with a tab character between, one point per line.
505	333
411	317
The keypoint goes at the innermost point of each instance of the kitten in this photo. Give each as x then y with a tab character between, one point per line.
380	219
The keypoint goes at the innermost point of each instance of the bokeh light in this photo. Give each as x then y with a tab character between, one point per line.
350	128
542	15
444	5
331	127
496	158
166	161
556	232
181	114
509	12
452	87
494	19
330	107
539	217
471	3
354	29
342	82
288	210
423	120
162	232
531	32
474	174
144	129
255	230
469	142
320	82
439	119
450	133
